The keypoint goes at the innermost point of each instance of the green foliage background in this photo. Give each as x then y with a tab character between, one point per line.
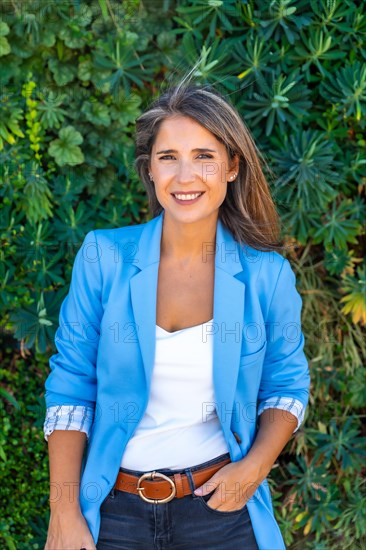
74	77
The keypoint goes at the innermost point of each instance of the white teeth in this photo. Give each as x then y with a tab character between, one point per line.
187	197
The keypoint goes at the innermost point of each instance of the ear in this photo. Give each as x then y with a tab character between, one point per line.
234	168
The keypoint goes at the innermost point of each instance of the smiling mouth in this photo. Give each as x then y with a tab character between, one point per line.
187	196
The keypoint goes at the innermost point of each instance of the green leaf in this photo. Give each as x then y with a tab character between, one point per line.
63	73
65	150
306	167
337	228
282	99
103	8
96	112
5	48
51	114
346	88
9	397
85	69
4	28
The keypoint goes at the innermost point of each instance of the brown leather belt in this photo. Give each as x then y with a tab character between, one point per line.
158	488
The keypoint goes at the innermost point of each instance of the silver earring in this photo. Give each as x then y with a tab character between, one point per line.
150	176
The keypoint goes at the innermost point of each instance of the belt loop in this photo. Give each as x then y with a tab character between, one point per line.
112	492
191	481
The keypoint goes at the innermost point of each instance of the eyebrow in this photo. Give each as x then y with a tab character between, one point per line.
198	149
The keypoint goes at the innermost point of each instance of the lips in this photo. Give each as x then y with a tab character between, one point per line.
187	198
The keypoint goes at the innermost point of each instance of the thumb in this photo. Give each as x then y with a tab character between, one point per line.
207	487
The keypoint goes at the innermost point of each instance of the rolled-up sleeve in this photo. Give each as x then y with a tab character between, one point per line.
289	404
285	380
68	417
72	380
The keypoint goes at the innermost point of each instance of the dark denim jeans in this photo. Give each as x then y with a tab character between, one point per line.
130	523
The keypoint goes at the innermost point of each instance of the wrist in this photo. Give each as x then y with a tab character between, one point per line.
255	465
64	507
64	496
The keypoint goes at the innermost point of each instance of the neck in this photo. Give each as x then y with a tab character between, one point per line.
188	242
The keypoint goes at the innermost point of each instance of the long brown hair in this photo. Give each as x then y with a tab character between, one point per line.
248	210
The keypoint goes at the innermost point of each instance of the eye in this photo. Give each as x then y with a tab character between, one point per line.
200	155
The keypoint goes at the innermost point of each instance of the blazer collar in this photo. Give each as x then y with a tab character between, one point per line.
227	249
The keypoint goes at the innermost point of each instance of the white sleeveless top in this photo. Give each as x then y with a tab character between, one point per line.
180	427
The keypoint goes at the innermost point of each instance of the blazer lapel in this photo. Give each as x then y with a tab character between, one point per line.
143	287
228	323
227	316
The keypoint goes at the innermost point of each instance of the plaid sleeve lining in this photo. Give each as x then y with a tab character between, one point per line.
68	417
289	404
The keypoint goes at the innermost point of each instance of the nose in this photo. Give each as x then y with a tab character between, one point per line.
185	173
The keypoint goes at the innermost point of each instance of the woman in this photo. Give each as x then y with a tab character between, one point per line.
180	351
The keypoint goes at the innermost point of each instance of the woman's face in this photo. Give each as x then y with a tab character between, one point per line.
190	169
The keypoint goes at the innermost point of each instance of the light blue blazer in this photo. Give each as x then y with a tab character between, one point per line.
106	346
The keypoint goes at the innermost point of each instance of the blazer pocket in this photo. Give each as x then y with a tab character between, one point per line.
256	357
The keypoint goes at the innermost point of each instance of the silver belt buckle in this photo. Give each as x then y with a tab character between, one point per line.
152	475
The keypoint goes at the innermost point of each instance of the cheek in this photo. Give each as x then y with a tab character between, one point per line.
161	193
221	188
